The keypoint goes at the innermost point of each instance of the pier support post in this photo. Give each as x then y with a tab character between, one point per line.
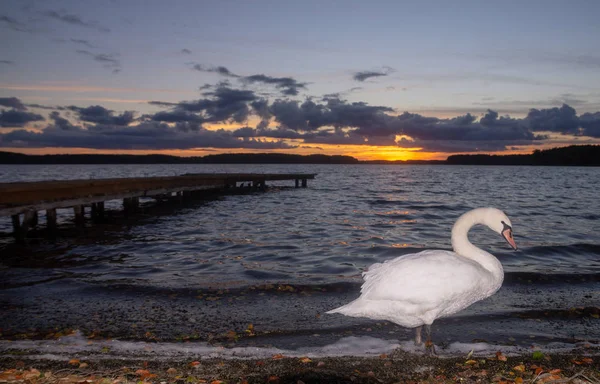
98	211
303	183
297	183
32	217
131	204
79	215
51	221
16	223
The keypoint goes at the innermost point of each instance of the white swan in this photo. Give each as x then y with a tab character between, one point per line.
415	289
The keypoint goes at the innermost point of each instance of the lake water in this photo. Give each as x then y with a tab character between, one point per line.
260	269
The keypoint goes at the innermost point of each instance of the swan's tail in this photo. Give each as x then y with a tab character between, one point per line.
353	308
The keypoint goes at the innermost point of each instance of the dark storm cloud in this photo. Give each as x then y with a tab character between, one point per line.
563	119
108	60
16	118
7	62
287	85
186	51
244	132
12	102
176	116
590	123
100	115
220	70
147	135
73	19
310	116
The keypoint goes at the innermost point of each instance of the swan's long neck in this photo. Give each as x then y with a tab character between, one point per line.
463	247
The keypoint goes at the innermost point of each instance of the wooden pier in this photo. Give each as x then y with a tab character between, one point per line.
28	198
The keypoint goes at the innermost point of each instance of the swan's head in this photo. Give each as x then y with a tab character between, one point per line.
499	222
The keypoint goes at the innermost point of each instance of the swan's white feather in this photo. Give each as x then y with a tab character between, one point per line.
415	289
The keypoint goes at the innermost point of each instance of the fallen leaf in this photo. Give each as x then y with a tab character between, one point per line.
31	374
171	371
273	379
305	360
538	371
383	356
519	368
500	356
194	364
278	356
144	374
555	371
587	360
518	380
74	362
83	365
470	362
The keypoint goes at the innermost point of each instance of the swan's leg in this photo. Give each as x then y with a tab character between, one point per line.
418	335
429	347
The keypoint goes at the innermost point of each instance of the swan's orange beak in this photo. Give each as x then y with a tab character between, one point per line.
507	234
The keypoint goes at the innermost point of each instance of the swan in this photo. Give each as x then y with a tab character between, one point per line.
415	289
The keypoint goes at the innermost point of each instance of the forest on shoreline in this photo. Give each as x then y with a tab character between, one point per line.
575	155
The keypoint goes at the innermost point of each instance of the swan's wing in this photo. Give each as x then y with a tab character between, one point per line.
424	277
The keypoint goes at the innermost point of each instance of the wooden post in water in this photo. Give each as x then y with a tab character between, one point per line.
33	218
16	222
297	183
303	183
79	215
51	221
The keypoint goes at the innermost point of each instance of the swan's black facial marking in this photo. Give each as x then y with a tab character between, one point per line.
508	236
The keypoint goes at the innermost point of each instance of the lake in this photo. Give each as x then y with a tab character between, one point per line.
258	270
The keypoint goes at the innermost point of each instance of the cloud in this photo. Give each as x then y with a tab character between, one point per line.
590	123
223	71
364	75
563	119
287	85
186	51
100	115
16	118
73	19
108	60
7	62
162	103
83	42
14	24
148	135
12	102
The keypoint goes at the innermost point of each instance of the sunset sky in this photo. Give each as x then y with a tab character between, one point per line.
371	79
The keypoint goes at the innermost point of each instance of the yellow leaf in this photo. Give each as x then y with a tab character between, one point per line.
470	362
519	368
305	360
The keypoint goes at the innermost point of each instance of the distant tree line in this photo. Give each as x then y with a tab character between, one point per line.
235	158
579	155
